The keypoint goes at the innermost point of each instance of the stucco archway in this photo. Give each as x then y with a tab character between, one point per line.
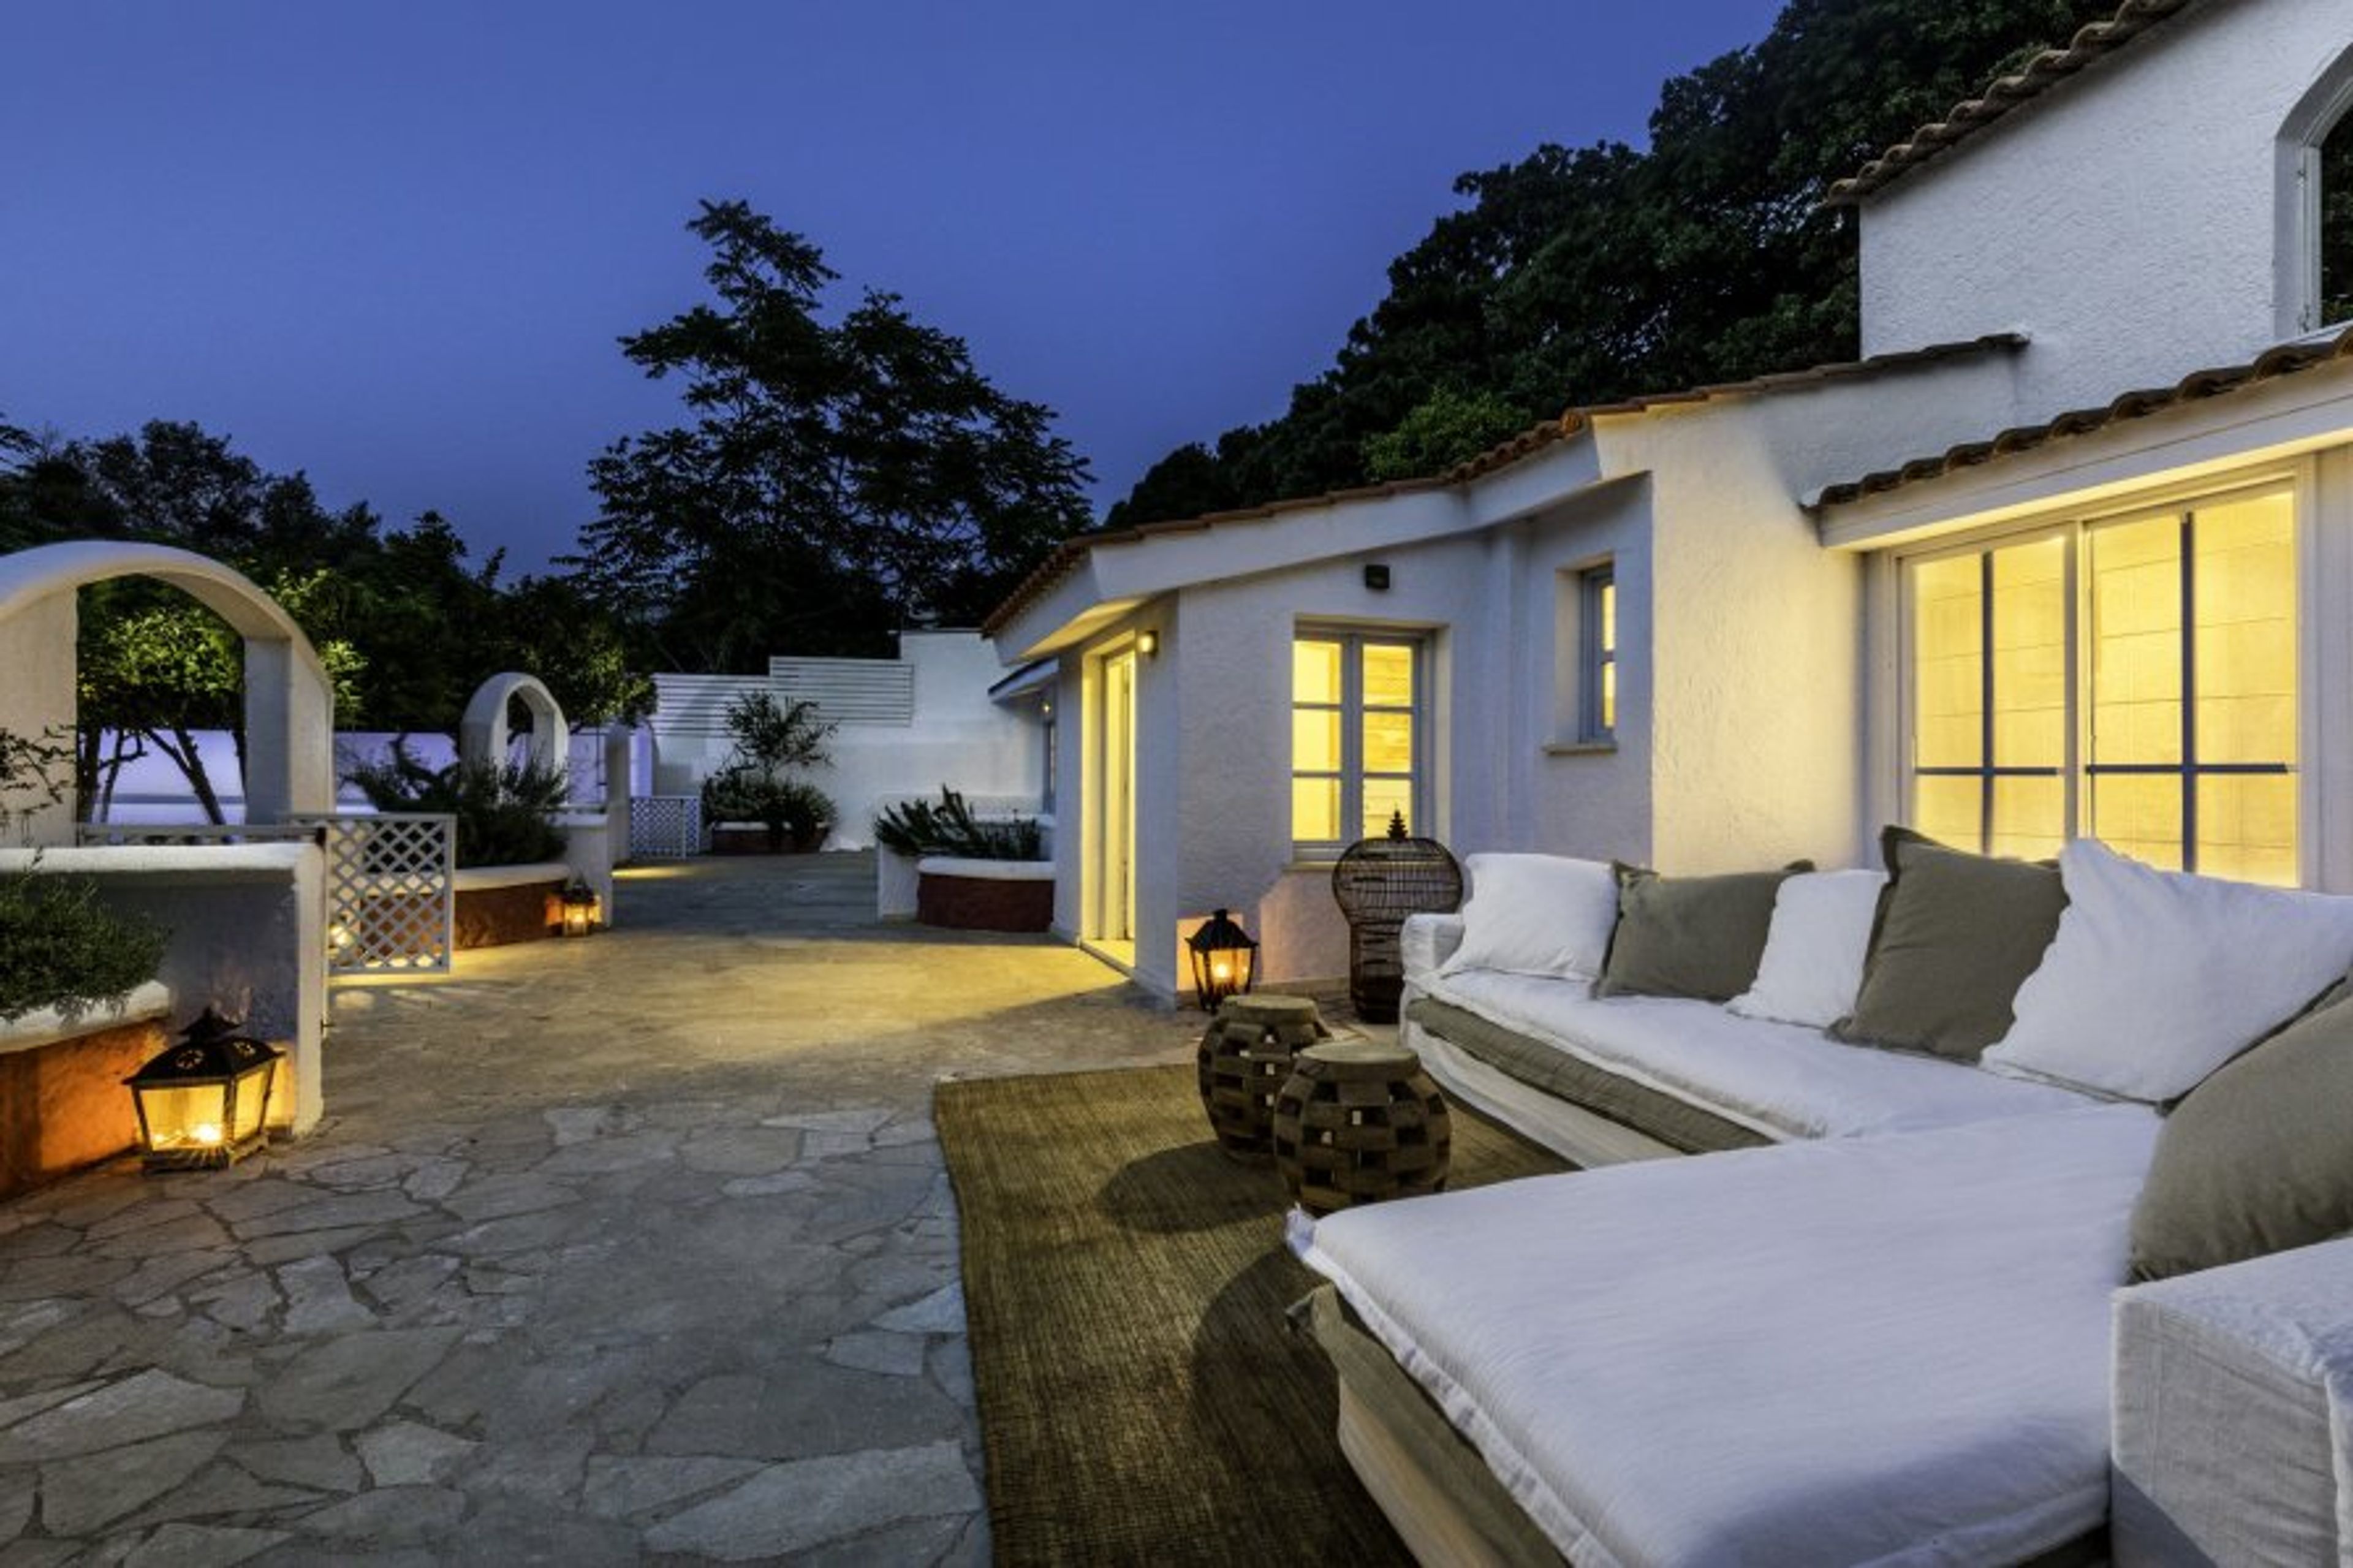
289	704
482	733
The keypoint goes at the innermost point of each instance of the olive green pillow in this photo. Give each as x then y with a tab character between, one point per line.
2255	1159
1691	936
1955	936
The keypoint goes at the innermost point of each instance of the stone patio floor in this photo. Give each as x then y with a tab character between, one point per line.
626	1250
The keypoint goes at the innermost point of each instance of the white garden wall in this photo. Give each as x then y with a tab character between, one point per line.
955	736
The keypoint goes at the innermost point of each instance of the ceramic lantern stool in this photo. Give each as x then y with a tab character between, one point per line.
1359	1122
1244	1059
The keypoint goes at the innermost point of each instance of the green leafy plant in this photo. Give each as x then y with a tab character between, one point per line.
919	827
60	947
503	809
793	811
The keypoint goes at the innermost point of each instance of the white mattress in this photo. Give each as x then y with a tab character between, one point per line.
1878	1350
1785	1080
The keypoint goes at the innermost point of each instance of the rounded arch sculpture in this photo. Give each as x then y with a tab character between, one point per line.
483	735
290	703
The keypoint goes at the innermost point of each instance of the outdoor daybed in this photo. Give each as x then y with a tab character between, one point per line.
1876	1321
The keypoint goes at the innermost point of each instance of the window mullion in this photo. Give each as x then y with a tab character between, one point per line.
2188	691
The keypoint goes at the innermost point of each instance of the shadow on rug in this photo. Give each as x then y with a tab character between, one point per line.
1140	1398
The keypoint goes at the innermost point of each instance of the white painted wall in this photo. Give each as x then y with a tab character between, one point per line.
2135	221
247	935
959	738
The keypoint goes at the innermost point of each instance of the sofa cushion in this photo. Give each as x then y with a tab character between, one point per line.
1785	1080
2256	1160
1955	936
1565	1075
1813	959
2155	978
1881	1350
1690	936
1537	914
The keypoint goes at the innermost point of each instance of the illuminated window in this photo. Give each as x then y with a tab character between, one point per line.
2134	680
1355	736
1597	654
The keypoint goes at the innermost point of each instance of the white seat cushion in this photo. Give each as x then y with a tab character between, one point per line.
1781	1079
1882	1350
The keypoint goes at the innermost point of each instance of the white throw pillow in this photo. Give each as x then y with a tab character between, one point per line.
1537	914
1814	949
2157	978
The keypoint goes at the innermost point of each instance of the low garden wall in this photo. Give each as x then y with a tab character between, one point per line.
62	1101
501	904
985	895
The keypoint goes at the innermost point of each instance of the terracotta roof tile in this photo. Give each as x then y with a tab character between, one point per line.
2043	73
1067	555
2288	358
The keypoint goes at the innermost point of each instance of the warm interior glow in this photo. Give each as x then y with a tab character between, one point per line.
1221	970
208	1132
2165	697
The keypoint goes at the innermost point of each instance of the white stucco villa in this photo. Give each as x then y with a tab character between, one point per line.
2069	550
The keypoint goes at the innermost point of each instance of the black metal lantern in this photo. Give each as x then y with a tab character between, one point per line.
204	1102
1225	960
579	910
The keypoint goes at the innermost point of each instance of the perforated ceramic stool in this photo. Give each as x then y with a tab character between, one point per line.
1359	1122
1244	1059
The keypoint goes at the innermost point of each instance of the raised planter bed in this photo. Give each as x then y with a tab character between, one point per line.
985	895
754	839
501	904
62	1103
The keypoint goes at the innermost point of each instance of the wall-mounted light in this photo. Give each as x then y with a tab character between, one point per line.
1147	643
1377	576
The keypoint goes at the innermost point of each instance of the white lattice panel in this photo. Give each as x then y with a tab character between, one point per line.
665	826
391	892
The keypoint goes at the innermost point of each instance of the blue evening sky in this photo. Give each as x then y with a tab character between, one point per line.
393	244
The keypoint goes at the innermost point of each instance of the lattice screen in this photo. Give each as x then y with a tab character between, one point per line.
391	892
665	826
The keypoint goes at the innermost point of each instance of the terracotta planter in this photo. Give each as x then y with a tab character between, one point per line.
985	895
62	1103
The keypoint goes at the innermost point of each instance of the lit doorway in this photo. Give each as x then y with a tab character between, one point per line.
1112	919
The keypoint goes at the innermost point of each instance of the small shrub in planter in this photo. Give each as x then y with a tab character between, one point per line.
60	947
798	816
502	810
917	828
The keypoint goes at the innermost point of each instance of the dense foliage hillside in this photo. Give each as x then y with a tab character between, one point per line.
1589	274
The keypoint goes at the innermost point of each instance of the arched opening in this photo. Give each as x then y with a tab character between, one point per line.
287	703
485	734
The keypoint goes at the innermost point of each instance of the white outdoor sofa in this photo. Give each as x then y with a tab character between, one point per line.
1878	1322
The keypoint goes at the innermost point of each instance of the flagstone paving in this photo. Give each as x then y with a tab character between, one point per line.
638	1249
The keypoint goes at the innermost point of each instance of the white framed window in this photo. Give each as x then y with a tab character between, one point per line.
1358	723
2331	167
1596	655
2133	679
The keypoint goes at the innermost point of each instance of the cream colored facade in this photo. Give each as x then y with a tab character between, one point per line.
1776	691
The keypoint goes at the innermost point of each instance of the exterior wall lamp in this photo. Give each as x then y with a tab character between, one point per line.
1147	643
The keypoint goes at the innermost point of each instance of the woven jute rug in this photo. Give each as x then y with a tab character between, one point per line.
1140	1398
